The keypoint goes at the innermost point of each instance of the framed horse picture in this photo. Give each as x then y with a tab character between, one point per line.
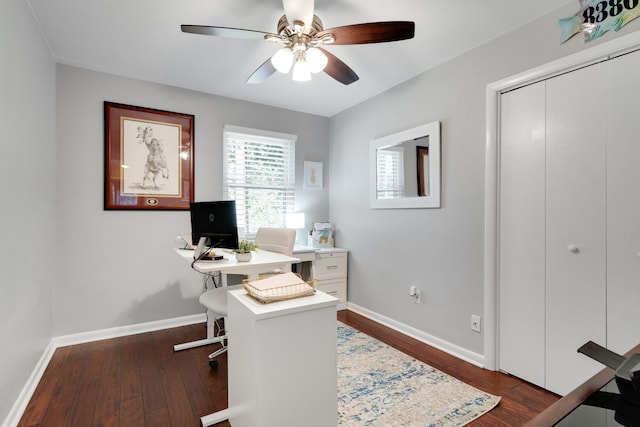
148	158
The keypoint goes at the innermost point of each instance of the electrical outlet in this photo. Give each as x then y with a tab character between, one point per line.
475	323
415	293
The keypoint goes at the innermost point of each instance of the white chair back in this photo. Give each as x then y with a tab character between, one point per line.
280	240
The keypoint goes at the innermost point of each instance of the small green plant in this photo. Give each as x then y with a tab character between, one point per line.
245	246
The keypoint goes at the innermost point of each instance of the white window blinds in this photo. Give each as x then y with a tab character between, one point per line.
390	173
259	174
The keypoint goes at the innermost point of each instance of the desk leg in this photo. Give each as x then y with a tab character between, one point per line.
210	339
199	343
215	418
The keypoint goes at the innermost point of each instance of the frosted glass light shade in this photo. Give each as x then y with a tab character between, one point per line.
301	72
295	220
282	60
317	60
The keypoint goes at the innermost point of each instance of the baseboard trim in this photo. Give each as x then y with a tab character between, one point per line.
27	391
440	344
29	388
122	331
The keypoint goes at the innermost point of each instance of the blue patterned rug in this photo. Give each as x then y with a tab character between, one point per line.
381	386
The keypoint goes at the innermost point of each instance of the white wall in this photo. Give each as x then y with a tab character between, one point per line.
117	268
28	145
438	250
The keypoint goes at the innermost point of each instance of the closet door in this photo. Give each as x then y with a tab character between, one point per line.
623	204
575	228
522	229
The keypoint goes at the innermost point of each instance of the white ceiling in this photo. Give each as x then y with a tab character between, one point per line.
142	39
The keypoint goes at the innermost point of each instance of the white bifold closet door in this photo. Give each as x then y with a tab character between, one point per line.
522	234
623	204
569	222
552	273
576	224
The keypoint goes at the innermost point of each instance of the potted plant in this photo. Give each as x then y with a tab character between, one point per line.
243	253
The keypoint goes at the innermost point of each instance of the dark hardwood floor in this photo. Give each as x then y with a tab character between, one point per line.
139	380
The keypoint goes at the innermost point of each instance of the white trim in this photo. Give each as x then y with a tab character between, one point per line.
580	59
491	232
585	57
15	414
454	350
121	331
266	134
29	388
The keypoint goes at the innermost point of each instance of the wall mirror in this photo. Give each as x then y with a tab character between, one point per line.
405	169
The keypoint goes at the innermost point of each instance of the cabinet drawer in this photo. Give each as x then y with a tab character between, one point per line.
330	265
336	288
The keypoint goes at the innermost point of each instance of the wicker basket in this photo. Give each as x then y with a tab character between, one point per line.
279	287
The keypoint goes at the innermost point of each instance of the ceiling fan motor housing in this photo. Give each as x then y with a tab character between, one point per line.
286	30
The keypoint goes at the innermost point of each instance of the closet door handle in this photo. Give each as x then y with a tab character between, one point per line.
573	249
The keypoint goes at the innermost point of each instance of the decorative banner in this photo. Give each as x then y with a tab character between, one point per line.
596	17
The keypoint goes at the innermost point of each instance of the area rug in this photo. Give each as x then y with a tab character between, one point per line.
381	386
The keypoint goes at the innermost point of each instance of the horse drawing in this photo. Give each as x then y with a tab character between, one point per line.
156	160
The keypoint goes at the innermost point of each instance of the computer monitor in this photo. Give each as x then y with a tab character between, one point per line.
213	225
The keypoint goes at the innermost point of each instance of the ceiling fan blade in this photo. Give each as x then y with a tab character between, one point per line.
338	69
372	32
299	10
238	33
262	73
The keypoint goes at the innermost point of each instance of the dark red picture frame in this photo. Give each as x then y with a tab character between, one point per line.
148	158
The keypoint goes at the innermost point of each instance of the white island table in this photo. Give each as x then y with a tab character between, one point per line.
282	362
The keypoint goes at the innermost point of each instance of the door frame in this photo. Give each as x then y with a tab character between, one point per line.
571	62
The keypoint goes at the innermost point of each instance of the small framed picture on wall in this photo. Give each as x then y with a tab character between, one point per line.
312	176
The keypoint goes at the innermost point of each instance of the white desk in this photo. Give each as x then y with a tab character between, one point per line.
282	363
261	261
305	253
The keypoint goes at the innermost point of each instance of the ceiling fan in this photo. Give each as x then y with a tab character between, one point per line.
302	34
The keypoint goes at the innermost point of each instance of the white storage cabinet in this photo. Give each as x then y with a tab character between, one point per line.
330	270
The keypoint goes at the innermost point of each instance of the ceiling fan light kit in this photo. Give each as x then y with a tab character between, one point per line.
283	60
301	49
301	71
316	59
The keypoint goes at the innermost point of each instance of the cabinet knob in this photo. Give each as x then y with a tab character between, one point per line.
573	249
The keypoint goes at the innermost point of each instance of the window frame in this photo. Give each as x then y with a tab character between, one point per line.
289	177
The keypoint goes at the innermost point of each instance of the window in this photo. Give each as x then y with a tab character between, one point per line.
390	173
259	174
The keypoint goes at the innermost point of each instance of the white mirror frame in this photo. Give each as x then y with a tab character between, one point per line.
432	130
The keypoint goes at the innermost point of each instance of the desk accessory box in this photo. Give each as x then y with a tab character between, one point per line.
321	236
279	287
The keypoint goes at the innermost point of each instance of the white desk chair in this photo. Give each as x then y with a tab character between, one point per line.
215	300
280	240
